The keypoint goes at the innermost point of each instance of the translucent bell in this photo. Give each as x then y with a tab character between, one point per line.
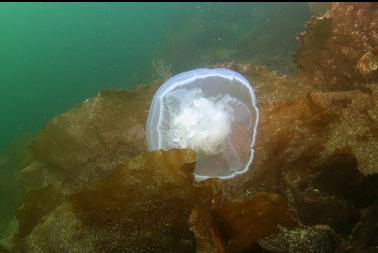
213	112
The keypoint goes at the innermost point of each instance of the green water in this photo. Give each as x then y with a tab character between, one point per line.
55	55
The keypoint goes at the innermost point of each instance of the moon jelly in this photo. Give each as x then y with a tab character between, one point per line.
211	111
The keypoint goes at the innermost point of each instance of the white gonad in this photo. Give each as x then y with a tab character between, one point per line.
211	111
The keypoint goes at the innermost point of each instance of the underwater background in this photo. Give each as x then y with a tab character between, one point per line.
56	55
315	86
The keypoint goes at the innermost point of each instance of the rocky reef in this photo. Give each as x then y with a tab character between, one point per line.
93	187
332	45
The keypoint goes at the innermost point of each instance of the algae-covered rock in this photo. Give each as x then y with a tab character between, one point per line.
208	239
365	234
145	203
351	124
237	226
143	206
316	148
37	205
271	86
148	202
60	231
316	207
243	222
316	239
86	143
368	63
332	45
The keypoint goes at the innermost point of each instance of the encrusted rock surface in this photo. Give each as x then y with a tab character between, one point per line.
317	239
332	45
87	142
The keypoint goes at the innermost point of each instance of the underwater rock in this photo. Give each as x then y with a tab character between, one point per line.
143	206
236	226
37	204
271	87
339	177
327	174
145	203
243	222
368	63
60	231
38	175
305	131
288	146
86	143
207	236
365	235
331	46
300	135
314	155
316	239
350	125
316	207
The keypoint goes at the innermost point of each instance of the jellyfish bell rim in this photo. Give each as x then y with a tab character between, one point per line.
236	173
189	77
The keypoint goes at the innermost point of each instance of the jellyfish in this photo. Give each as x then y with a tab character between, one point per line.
211	111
